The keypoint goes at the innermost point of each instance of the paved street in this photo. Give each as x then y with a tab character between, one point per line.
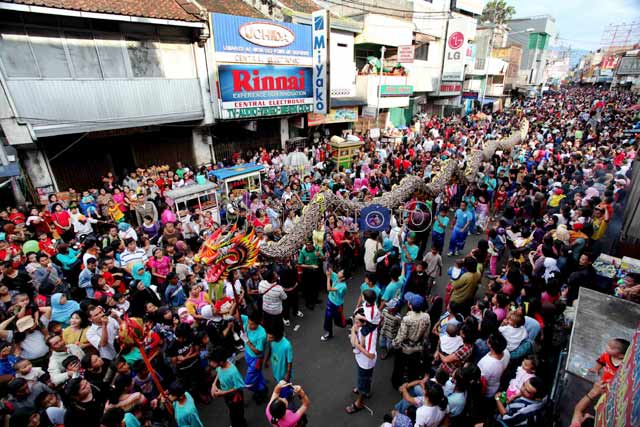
327	370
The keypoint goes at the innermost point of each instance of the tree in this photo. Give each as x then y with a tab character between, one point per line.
497	12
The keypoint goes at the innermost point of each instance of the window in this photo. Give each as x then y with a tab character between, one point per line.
111	55
144	56
177	59
16	54
422	52
84	56
50	54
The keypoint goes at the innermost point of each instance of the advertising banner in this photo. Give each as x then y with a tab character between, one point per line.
335	115
455	51
473	6
406	54
396	90
321	31
450	88
629	66
261	90
240	39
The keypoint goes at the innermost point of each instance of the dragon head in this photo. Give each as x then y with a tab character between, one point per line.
225	252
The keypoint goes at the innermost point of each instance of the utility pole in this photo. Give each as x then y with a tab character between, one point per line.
486	69
383	49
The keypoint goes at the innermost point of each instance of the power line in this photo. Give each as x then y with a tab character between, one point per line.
444	15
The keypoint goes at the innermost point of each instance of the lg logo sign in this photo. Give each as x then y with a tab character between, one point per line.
456	40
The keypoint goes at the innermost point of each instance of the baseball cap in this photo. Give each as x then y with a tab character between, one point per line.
416	301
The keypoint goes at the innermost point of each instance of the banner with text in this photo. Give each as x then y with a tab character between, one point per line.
264	90
240	39
321	32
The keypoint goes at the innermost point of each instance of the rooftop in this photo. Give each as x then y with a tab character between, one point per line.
178	10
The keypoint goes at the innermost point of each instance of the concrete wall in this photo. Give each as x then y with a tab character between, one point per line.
343	64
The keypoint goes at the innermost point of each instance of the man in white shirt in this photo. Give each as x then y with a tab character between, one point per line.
103	333
364	347
494	363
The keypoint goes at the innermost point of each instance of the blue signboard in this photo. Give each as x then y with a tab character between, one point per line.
241	39
244	85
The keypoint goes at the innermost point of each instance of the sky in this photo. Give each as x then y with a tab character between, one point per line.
580	23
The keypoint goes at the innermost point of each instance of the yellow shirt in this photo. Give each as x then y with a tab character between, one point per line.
73	336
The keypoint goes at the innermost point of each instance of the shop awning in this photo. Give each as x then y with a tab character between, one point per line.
351	101
423	38
234	171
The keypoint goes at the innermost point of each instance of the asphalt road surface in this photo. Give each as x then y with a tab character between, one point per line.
327	370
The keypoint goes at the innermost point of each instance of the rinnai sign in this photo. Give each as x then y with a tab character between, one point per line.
320	32
455	51
240	39
396	90
265	86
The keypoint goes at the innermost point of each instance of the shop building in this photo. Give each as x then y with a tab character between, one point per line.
82	88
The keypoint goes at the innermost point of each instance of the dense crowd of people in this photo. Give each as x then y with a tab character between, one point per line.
484	352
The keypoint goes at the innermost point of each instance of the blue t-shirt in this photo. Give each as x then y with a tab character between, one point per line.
462	217
394	289
187	414
258	337
413	253
445	222
230	378
375	289
130	420
6	365
337	296
281	356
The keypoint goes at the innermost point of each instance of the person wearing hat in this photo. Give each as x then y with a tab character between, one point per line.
413	330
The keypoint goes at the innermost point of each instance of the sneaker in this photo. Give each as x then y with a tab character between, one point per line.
457	253
286	322
300	314
325	337
449	253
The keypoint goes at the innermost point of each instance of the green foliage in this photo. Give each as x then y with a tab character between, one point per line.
497	12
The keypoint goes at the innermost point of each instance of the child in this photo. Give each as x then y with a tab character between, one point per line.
369	283
369	311
525	371
336	288
500	199
450	342
493	252
88	205
24	369
514	331
454	272
482	212
611	359
46	245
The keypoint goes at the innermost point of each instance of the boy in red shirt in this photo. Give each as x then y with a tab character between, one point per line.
611	359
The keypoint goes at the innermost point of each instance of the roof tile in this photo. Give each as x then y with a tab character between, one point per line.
179	10
231	7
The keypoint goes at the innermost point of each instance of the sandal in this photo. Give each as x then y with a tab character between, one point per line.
355	390
352	409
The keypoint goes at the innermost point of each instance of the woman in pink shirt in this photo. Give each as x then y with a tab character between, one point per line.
160	265
278	414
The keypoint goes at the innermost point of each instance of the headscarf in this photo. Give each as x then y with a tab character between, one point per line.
62	312
145	277
123	226
550	267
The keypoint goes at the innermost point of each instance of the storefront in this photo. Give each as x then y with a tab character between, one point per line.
264	79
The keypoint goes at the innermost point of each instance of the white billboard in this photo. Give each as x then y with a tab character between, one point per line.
471	6
455	51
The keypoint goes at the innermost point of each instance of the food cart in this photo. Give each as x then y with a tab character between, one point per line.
196	196
343	150
241	178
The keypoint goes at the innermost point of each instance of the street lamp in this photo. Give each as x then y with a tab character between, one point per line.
486	60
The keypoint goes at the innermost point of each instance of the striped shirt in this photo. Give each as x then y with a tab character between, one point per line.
523	411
